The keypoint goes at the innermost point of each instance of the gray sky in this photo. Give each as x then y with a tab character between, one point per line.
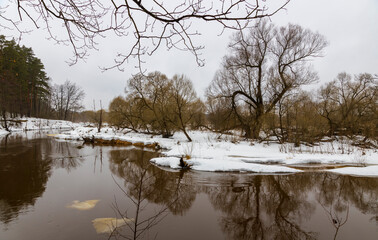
349	26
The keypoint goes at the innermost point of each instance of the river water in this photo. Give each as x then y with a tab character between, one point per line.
64	190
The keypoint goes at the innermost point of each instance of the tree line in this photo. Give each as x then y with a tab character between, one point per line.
26	90
156	104
257	91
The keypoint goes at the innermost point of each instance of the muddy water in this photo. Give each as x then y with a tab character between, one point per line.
63	190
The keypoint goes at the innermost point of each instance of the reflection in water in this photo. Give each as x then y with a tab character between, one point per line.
147	184
26	162
266	207
274	207
259	206
246	206
337	192
23	175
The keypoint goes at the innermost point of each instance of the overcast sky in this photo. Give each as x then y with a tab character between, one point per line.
350	27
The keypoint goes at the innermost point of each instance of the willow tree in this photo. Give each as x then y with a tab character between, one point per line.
261	67
157	104
350	104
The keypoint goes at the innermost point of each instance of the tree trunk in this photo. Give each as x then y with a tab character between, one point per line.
100	121
183	128
256	128
5	125
247	131
186	134
257	124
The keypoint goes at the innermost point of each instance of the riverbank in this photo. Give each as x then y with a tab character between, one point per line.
224	153
213	152
32	124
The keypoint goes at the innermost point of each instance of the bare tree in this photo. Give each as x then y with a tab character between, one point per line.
151	92
264	66
296	119
350	104
98	119
157	104
66	99
126	113
185	105
150	24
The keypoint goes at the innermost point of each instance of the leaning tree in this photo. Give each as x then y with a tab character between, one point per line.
262	67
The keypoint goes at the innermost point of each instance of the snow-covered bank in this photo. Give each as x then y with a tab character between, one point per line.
210	152
216	165
368	171
29	124
3	132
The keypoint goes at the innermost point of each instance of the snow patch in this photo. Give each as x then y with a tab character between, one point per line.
369	171
209	152
29	124
3	132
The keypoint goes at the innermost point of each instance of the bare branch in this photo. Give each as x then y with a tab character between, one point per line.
87	20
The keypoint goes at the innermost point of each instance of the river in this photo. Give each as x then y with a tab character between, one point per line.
56	190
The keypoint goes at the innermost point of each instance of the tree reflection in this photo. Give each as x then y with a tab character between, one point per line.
24	171
252	207
337	192
26	162
266	207
65	155
274	206
145	184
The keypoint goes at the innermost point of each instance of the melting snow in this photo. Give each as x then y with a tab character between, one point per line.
107	225
369	171
85	205
208	152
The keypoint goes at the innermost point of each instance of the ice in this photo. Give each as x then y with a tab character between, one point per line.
368	171
85	205
108	225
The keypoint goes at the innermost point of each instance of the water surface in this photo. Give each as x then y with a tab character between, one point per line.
66	190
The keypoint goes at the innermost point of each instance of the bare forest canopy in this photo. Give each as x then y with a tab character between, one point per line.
145	25
257	91
26	90
155	104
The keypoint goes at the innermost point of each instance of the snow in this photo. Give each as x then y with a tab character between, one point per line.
212	153
29	124
371	171
214	165
3	132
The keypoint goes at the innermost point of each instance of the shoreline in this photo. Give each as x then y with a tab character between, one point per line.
210	154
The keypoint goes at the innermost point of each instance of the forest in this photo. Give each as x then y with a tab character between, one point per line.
26	90
257	92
